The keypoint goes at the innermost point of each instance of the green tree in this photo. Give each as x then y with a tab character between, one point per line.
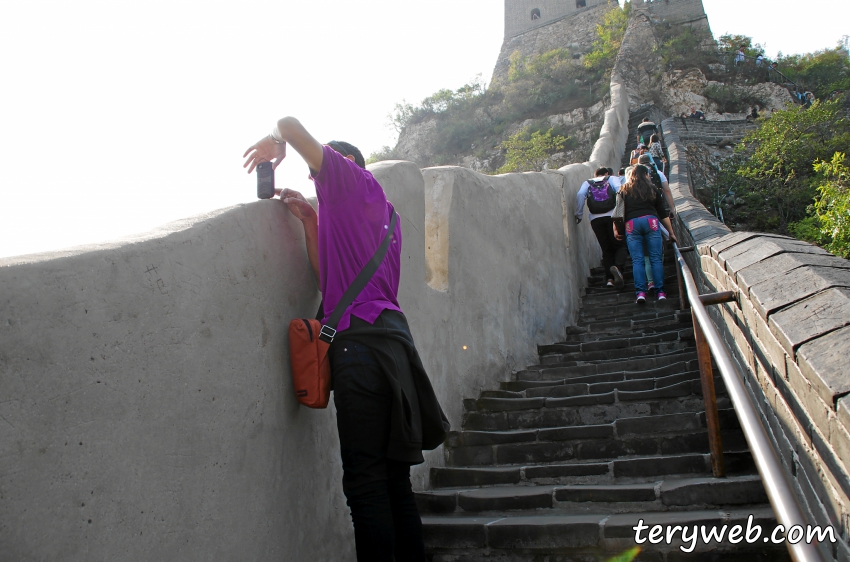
771	178
833	203
528	152
822	72
609	35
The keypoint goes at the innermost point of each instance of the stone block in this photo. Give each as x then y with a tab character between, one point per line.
782	290
499	498
545	532
813	490
679	464
819	412
604	431
616	493
755	250
843	411
533	453
620	526
657	424
795	405
770	347
823	361
447	477
784	447
713	491
783	263
810	318
567	470
832	469
469	456
730	240
455	532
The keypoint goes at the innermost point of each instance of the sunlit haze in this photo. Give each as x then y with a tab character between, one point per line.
119	116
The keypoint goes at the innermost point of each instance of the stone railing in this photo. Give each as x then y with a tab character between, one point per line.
789	331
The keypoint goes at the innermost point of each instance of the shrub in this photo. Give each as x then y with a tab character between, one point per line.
772	170
833	204
529	151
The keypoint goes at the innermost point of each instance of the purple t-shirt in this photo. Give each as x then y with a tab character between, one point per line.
354	215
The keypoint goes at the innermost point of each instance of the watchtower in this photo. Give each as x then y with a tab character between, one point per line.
523	15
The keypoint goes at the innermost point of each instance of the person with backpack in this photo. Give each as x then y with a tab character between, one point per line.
645	130
659	181
599	194
386	409
640	224
657	152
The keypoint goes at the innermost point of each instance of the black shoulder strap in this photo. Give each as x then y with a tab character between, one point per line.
329	330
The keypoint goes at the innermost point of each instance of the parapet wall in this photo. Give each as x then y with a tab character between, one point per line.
147	412
712	132
789	332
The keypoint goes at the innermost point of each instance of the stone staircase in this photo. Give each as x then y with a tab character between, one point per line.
561	462
635	119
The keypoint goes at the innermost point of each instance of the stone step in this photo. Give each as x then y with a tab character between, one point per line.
677	368
630	310
527	535
660	495
644	321
600	280
589	410
572	369
631	352
585	444
625	470
673	386
667	323
626	296
615	343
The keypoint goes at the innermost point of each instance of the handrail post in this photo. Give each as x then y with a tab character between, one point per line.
712	418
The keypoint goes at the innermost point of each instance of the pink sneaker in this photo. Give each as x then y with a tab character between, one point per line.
662	296
641	297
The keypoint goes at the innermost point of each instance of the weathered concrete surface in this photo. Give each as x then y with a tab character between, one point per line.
789	334
147	411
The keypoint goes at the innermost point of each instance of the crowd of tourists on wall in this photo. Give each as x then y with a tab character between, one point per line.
630	214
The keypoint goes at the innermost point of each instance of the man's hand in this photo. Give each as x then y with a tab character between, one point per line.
264	150
298	205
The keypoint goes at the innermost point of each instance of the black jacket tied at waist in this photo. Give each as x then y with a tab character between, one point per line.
417	420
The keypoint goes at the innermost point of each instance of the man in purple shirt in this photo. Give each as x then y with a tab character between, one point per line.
387	412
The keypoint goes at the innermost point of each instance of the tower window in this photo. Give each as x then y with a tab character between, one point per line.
581	4
535	14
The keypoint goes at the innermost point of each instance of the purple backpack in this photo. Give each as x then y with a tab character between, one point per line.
601	197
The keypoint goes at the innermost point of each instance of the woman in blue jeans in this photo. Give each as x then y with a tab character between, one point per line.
644	212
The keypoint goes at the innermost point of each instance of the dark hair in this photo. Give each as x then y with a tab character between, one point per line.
610	171
600	172
653	139
645	120
622	172
638	185
347	149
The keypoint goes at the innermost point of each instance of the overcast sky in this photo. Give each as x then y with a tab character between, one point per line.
118	116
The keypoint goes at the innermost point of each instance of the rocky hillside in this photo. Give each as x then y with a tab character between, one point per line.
556	79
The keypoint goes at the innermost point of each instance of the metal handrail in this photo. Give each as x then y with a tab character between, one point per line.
779	491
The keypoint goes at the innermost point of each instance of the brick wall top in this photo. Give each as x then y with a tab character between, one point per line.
790	328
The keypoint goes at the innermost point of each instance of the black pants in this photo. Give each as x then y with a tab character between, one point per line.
614	252
386	521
